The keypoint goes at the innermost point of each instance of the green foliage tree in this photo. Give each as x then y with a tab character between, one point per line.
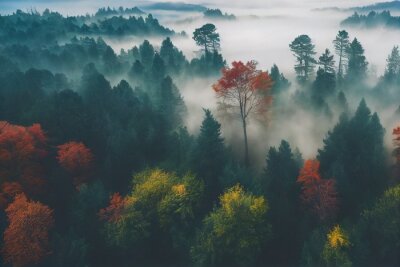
209	157
357	65
304	50
280	82
354	154
377	234
146	51
392	72
207	37
341	44
283	192
233	233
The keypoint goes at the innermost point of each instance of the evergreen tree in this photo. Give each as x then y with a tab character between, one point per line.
326	62
283	193
304	50
207	37
209	156
341	44
354	155
392	72
357	66
158	67
146	53
280	81
170	103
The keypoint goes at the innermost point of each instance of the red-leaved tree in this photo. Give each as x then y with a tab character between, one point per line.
318	194
114	211
76	159
8	191
244	90
26	239
22	150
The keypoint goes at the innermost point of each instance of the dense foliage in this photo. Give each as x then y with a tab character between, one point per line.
99	167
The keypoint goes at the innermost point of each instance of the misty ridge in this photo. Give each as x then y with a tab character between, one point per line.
193	134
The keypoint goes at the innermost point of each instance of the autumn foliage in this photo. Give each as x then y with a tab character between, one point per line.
245	86
114	211
26	239
22	150
244	90
317	194
8	191
77	159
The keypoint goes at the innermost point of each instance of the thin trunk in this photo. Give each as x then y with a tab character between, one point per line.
246	146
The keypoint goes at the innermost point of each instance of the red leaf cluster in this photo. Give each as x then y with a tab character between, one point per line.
21	151
318	194
26	239
77	159
113	212
8	191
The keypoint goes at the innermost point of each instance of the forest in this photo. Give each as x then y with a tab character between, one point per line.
105	161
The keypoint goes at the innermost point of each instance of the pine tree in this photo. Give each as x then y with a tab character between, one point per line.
304	50
341	44
357	67
209	156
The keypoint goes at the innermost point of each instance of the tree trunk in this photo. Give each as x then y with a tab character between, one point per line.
246	146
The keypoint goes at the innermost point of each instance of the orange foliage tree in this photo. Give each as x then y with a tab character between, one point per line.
8	191
26	239
21	152
77	159
244	90
113	212
317	193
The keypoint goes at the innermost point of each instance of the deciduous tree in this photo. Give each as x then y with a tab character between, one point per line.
317	193
21	151
244	90
26	239
77	159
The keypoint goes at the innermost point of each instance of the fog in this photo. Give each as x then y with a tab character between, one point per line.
262	31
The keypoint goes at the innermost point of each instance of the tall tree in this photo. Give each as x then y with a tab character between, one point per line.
327	62
392	71
209	156
171	104
304	50
146	51
354	154
317	193
245	90
207	37
282	190
26	239
357	66
341	44
325	81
